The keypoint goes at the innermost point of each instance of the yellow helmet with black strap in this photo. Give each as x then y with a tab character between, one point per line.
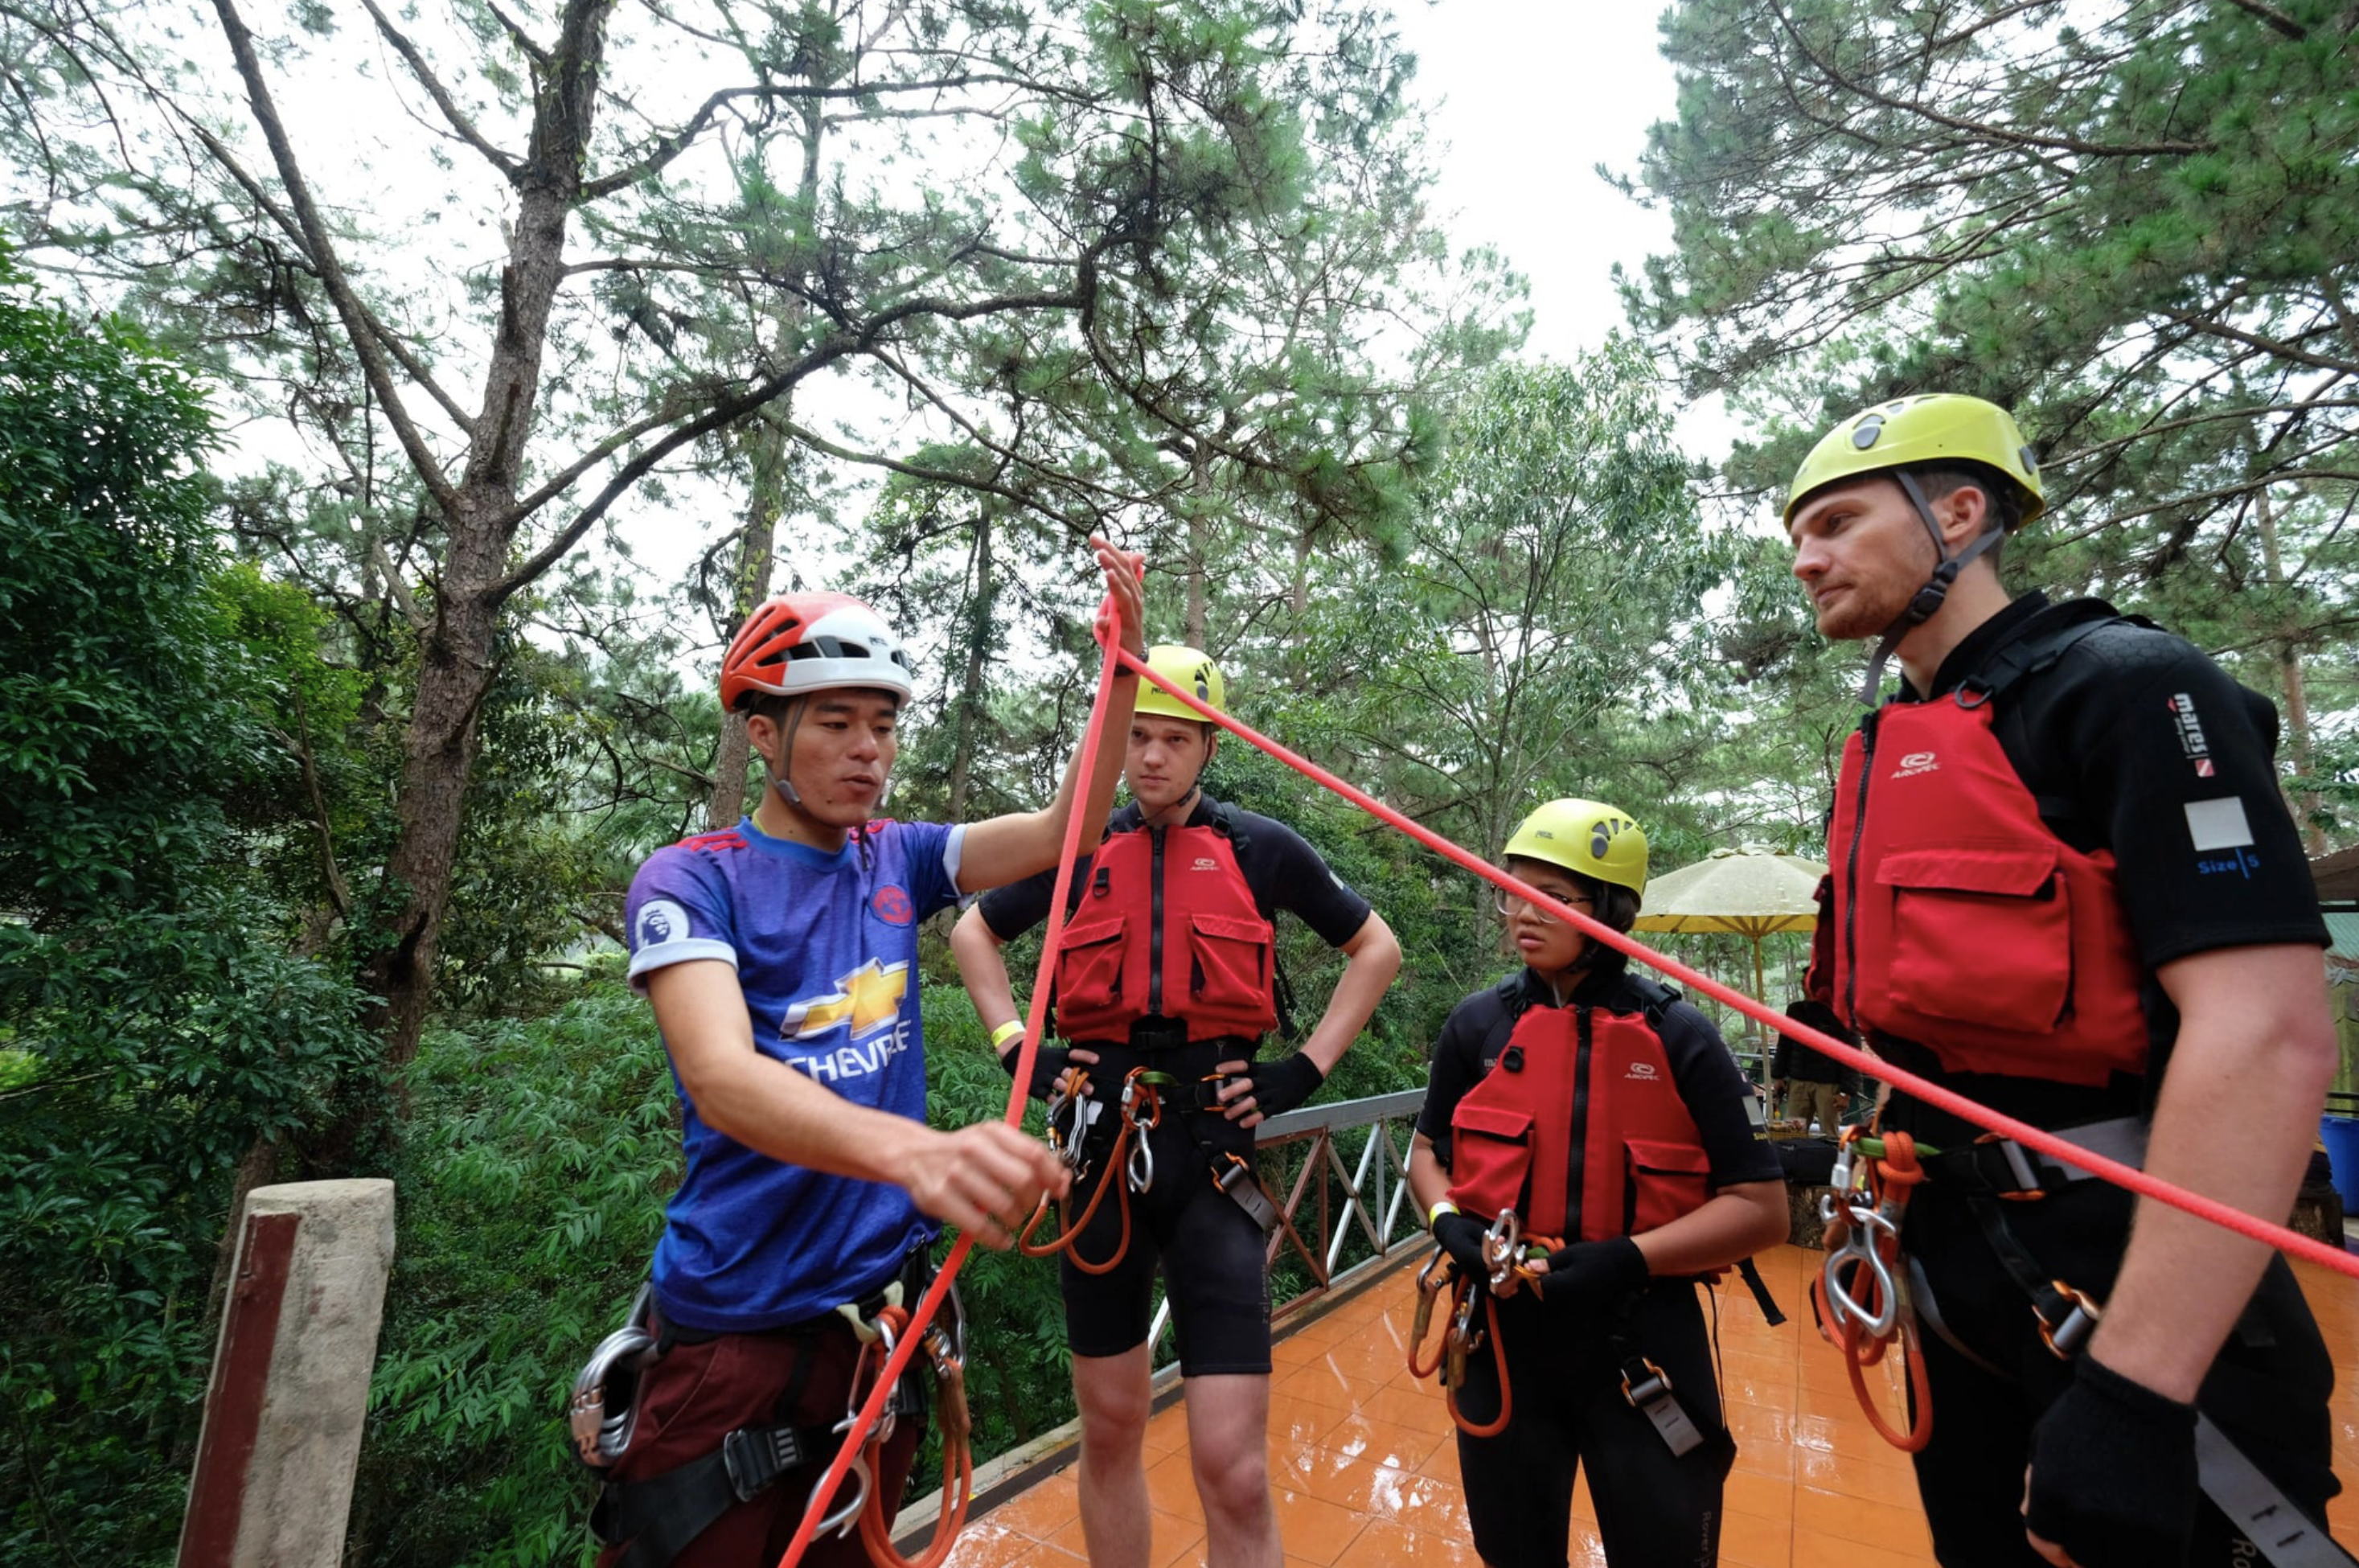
1930	428
1587	838
1182	666
1902	436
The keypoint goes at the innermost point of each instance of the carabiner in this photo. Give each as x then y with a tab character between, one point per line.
1868	1227
1502	1247
1140	1171
1465	1337
882	1349
1070	1100
847	1514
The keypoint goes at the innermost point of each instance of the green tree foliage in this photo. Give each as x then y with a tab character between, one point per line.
528	1215
2133	226
1546	607
161	1036
1162	245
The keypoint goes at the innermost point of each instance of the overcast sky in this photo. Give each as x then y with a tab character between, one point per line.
1527	97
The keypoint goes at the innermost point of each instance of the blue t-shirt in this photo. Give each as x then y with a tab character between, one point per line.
826	950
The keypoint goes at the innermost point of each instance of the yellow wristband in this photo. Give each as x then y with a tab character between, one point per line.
1005	1032
1444	1208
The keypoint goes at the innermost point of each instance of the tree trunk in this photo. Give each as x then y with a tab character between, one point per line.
456	653
967	704
1197	633
756	562
2297	696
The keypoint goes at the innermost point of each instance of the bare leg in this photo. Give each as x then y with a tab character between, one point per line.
1113	1394
1228	1441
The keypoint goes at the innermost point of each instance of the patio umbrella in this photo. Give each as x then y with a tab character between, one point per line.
1744	892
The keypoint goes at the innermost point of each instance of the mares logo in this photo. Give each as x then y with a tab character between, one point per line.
2190	734
892	906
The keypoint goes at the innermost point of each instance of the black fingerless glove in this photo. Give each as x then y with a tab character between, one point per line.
1278	1086
1462	1237
1594	1277
2113	1473
1049	1064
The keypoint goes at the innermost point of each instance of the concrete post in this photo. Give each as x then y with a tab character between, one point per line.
290	1380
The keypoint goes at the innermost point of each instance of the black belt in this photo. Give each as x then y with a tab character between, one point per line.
2004	1168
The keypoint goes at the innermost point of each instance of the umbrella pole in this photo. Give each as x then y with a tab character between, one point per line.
1760	990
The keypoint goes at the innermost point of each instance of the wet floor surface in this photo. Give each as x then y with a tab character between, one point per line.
1365	1470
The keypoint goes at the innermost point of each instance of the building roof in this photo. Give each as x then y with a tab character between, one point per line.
2337	876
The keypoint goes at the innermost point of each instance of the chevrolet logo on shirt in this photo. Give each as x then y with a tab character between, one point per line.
868	998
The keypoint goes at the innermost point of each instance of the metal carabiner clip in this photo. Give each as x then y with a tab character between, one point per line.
1141	1170
1868	1228
1069	1122
882	1349
1503	1248
847	1514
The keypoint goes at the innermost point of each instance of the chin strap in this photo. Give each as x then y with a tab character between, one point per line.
1928	600
778	780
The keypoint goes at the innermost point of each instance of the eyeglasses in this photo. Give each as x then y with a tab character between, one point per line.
1507	903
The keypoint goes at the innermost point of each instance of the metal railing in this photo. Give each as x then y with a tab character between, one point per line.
1338	1193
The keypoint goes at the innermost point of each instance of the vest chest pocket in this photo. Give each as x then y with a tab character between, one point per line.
1665	1180
1088	967
1229	957
1982	933
1490	1158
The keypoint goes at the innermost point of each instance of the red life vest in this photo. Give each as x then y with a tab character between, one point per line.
1579	1084
1166	927
1958	920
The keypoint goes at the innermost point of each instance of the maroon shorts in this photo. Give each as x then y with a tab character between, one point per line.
696	1395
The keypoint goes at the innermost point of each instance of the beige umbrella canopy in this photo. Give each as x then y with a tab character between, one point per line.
1742	892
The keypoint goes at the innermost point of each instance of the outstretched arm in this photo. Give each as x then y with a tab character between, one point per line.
1003	849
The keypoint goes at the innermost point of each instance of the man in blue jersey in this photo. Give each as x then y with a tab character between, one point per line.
780	956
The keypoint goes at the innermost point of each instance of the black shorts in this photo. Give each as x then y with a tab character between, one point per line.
1654	1508
1211	1251
2268	1392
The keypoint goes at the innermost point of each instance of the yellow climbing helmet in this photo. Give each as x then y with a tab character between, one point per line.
1182	666
1936	426
1588	838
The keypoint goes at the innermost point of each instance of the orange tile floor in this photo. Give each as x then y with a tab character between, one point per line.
1365	1472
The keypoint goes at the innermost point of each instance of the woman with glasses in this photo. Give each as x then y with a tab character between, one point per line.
1589	1116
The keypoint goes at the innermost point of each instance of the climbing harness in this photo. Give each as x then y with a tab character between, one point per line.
660	1514
1861	1307
1508	1260
1130	1166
